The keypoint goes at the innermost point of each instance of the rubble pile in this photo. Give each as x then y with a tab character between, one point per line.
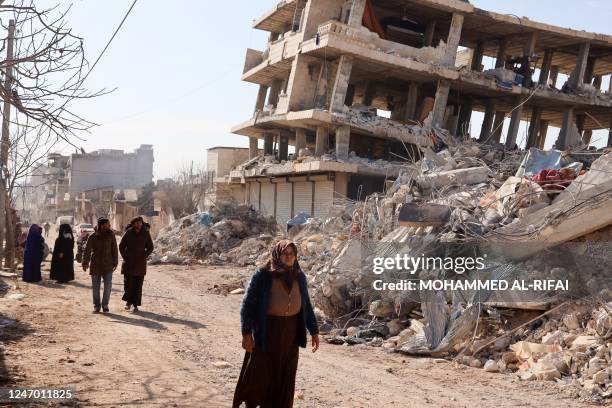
210	237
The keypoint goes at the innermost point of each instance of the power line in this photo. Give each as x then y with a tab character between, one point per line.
109	42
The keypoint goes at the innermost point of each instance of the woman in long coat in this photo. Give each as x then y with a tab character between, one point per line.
33	255
136	245
62	262
275	313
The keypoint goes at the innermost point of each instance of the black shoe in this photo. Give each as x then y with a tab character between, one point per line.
135	308
128	306
105	309
96	309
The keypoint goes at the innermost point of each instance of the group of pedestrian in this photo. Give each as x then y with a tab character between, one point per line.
100	258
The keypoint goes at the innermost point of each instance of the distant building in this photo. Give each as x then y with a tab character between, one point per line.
108	167
220	161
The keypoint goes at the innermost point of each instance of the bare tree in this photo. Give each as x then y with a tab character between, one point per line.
188	188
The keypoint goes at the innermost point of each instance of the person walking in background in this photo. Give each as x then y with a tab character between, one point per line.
275	313
102	256
47	227
135	247
62	262
33	255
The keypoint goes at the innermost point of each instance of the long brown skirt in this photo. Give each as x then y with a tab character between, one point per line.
267	378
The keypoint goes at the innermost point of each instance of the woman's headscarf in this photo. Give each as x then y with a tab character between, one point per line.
276	266
66	229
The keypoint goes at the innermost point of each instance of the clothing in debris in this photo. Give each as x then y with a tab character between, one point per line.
33	255
135	248
62	262
268	373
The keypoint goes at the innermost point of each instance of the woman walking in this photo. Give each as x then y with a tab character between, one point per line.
62	261
275	313
135	247
33	255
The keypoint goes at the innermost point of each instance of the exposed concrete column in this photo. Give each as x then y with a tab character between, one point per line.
546	65
465	116
253	150
368	93
590	69
343	140
398	108
454	35
275	90
534	127
261	98
554	75
440	102
597	82
541	141
477	56
411	103
322	141
487	122
341	83
577	78
580	120
515	122
356	16
429	34
565	135
528	51
502	49
268	144
300	140
498	126
283	147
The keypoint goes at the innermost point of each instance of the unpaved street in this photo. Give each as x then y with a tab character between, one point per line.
183	349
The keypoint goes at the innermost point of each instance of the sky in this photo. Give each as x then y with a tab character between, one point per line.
176	68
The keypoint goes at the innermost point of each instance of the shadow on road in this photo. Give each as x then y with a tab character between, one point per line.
149	324
172	320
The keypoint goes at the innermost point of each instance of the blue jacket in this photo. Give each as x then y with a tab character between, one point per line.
253	311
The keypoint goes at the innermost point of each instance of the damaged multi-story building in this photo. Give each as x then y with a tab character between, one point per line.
377	77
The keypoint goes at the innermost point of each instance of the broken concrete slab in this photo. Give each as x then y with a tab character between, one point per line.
473	175
427	215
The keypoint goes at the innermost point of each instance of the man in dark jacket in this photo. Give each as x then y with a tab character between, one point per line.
135	247
101	258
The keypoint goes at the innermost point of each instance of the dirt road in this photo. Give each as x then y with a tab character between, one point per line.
183	349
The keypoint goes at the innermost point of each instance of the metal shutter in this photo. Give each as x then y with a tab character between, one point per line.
283	203
254	195
324	198
267	199
302	197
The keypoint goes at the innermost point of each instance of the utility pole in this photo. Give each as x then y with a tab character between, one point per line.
5	202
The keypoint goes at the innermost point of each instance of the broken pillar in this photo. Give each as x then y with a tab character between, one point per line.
528	51
343	139
515	122
477	56
451	119
283	147
597	82
412	101
343	75
465	117
502	49
261	98
487	122
398	108
498	126
546	65
356	16
576	80
534	127
440	101
589	70
554	75
268	144
369	91
454	35
566	134
275	90
253	150
322	140
429	34
542	132
300	140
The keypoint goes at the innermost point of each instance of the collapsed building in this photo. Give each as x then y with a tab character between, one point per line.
356	85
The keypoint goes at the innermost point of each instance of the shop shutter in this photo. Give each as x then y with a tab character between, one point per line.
324	198
302	197
267	199
283	203
254	195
